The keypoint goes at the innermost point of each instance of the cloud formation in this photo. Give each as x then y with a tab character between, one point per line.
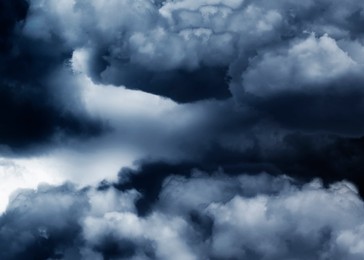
189	94
205	216
33	82
273	56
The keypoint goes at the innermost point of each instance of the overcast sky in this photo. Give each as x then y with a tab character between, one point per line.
181	129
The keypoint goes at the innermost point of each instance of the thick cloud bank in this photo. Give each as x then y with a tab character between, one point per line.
33	85
285	59
202	217
160	88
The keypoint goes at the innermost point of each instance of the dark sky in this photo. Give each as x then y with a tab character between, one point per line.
181	129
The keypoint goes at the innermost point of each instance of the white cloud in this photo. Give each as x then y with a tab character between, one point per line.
25	173
307	65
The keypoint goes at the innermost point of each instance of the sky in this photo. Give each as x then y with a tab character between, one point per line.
181	129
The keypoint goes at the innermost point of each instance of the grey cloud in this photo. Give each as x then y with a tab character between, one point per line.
271	56
314	85
38	224
306	66
290	76
202	216
180	50
32	78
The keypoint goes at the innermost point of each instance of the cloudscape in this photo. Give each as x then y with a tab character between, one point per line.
181	129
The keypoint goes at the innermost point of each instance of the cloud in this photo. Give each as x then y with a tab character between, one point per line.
212	134
187	51
36	225
275	57
306	65
188	95
32	86
165	135
11	13
202	216
179	50
314	85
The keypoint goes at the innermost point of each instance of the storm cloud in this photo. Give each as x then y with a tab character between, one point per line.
273	56
181	129
32	80
216	217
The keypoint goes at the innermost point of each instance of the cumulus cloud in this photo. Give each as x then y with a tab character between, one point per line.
259	52
167	87
316	86
205	216
285	61
178	49
306	65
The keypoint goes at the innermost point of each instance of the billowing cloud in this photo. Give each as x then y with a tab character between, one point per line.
276	57
33	82
306	65
204	216
150	111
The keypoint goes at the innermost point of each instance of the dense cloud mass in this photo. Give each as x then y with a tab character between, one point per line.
181	129
32	79
273	56
202	217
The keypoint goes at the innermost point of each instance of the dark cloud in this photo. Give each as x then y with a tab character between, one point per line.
273	89
30	109
314	86
269	149
11	13
179	85
286	60
41	224
27	119
148	181
332	112
304	156
202	216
